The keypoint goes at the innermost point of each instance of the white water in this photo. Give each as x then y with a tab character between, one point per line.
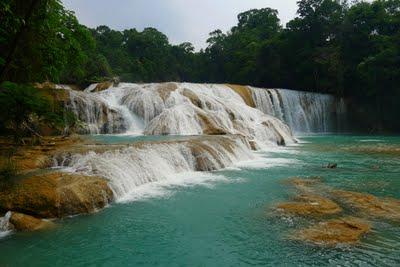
304	112
129	168
188	109
103	113
175	109
5	226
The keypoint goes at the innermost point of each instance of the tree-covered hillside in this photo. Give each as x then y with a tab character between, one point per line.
332	46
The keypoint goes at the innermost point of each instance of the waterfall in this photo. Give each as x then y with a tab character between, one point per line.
304	112
175	109
5	226
103	113
142	163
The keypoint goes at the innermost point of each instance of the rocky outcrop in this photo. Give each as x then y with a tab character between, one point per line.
26	223
347	230
310	205
103	86
369	205
245	92
32	156
56	195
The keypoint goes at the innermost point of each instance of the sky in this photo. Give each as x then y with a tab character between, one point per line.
181	20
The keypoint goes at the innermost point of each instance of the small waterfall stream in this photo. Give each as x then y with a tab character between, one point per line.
5	226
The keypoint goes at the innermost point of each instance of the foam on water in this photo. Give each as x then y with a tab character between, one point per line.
5	227
165	188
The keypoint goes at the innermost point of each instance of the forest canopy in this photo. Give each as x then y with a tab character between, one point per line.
332	46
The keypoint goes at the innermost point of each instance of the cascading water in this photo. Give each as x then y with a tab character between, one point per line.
143	163
5	226
187	109
175	109
303	111
103	113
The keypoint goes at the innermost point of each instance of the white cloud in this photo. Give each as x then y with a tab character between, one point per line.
180	20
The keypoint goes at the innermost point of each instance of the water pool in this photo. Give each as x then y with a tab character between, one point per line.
226	218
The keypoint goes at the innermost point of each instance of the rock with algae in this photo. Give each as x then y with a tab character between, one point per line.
304	184
23	222
369	205
346	230
56	195
310	205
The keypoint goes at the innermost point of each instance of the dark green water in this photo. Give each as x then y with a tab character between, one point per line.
227	220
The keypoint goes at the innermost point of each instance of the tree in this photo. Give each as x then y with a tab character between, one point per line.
20	105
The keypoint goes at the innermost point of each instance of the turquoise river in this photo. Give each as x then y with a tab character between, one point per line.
227	218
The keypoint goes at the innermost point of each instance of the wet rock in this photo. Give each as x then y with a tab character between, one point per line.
304	182
347	230
310	205
30	157
23	222
245	93
56	194
165	90
369	205
103	86
210	127
253	145
331	166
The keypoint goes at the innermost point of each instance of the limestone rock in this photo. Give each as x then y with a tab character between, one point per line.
23	222
347	230
56	195
103	86
372	206
245	93
310	205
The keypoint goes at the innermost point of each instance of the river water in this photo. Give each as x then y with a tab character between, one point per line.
226	218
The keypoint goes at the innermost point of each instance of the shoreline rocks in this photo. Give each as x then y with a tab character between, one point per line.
56	195
25	223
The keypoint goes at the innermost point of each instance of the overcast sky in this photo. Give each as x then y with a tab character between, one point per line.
180	20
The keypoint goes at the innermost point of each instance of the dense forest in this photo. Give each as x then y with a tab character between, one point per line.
332	46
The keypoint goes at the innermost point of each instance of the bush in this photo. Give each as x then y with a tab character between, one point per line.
23	108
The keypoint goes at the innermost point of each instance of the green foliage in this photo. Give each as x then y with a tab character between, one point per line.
332	46
23	108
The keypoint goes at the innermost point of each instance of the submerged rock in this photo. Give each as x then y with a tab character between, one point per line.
347	230
369	205
304	184
56	194
331	166
310	205
23	222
